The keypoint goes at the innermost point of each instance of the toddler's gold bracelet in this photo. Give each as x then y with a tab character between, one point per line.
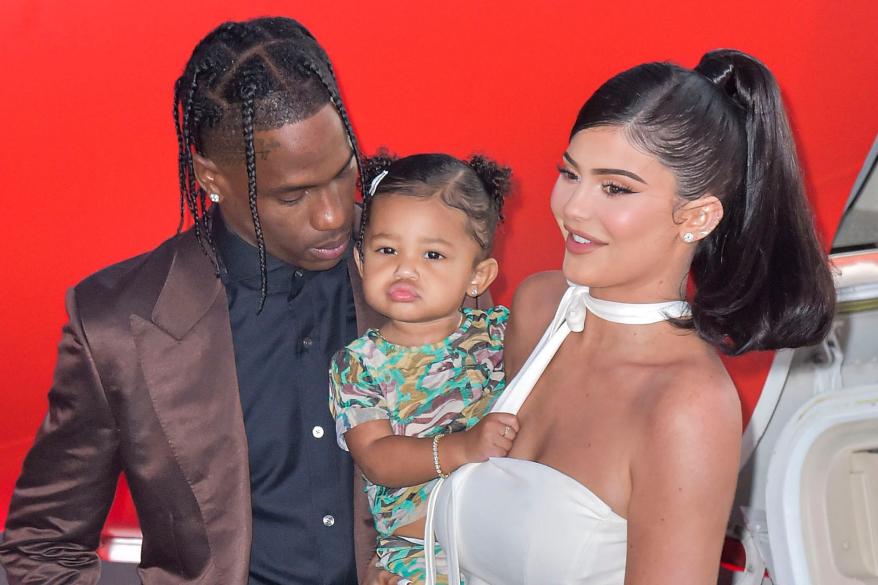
436	465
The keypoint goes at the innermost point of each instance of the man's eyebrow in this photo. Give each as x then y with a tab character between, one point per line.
288	188
622	172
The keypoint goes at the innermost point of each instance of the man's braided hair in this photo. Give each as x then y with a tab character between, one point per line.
244	77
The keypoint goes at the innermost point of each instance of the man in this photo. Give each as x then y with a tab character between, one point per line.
200	368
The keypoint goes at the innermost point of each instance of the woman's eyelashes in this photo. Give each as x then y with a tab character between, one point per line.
609	187
568	174
612	188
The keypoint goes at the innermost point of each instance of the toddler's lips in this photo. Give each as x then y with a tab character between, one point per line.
402	293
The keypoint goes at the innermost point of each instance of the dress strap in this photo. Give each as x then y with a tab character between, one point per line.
570	316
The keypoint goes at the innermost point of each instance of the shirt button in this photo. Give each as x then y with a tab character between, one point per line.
328	520
317	432
307	343
298	273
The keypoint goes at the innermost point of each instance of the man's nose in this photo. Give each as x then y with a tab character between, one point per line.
329	210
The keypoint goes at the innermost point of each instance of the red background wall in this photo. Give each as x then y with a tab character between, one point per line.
88	151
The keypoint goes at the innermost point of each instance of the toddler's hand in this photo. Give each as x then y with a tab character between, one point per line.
491	437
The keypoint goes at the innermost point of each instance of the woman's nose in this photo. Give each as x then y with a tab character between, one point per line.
580	204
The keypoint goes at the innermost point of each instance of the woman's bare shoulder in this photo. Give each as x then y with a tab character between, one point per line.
684	469
533	306
540	287
695	408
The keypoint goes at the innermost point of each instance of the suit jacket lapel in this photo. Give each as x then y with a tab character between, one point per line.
188	363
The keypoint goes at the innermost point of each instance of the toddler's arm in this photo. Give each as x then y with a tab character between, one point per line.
397	461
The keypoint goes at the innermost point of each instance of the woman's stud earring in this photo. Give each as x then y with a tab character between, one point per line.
214	197
688	237
474	292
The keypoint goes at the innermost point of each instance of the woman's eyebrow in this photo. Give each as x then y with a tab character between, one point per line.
622	172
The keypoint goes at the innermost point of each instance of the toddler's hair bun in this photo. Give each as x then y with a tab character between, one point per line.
496	178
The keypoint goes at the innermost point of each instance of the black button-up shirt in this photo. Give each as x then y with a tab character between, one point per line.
301	482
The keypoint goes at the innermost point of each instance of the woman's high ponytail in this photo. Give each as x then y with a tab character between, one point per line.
762	279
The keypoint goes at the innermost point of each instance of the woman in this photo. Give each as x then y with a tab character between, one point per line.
624	468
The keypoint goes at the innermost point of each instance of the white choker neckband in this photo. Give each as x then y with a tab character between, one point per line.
625	313
570	316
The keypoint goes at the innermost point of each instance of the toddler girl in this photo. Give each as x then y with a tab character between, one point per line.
408	397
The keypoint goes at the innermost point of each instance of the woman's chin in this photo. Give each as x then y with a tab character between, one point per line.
576	275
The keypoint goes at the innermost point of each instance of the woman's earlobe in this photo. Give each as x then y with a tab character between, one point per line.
700	218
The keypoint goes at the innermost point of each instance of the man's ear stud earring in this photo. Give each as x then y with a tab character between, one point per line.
688	237
214	197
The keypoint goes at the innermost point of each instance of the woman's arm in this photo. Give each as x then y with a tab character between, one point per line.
683	482
397	461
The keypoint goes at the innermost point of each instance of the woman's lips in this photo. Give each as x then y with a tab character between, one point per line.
581	244
402	293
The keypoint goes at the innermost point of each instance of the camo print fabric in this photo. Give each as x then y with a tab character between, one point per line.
421	391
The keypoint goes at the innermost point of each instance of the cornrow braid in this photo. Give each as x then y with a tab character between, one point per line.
245	77
190	192
181	146
250	153
331	88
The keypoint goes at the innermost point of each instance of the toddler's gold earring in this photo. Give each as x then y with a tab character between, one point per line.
215	197
688	237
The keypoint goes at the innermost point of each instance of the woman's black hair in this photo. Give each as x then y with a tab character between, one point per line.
477	186
762	279
244	77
